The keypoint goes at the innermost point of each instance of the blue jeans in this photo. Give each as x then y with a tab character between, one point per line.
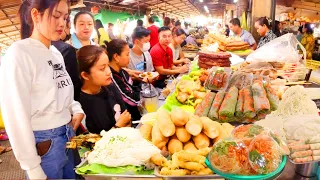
58	162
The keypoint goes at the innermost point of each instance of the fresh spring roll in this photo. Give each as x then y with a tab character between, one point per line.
313	140
213	113
240	104
272	96
316	152
315	146
261	102
316	158
248	106
204	107
228	106
301	154
299	147
303	160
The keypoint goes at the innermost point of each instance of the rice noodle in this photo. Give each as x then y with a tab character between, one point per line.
122	147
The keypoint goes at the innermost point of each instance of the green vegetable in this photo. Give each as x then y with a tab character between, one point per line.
102	169
223	147
83	150
259	160
254	130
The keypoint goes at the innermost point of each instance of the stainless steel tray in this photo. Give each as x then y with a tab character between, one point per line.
116	176
191	177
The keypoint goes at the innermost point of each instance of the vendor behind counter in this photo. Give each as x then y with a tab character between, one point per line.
162	58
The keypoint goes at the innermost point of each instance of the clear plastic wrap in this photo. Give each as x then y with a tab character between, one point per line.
218	78
241	79
246	133
264	154
281	49
229	156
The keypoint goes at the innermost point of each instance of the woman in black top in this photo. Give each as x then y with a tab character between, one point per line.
100	100
118	53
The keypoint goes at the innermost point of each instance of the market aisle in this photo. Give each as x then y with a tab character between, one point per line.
9	168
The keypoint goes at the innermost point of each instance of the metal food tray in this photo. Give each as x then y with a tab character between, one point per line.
116	176
193	177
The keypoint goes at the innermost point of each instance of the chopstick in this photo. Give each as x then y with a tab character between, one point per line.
137	122
298	83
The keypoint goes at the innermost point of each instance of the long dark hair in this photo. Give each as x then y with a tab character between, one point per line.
87	56
264	21
115	47
26	22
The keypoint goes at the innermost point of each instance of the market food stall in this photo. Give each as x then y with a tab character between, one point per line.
226	118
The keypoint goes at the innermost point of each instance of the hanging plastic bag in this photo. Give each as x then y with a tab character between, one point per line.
281	49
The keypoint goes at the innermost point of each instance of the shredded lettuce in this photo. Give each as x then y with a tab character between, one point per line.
102	169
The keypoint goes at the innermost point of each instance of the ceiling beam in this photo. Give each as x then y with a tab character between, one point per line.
10	6
11	25
306	6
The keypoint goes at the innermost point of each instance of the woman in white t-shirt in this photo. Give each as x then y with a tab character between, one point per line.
178	36
37	103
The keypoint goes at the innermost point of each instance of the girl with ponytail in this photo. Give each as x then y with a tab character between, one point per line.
37	103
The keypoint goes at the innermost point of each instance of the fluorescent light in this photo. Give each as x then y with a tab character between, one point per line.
201	0
206	8
235	1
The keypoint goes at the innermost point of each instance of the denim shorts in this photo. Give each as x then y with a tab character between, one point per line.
58	162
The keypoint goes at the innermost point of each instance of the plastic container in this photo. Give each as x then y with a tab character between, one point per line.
272	175
229	152
262	161
218	78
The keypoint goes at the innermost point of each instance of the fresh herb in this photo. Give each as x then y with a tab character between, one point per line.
259	160
254	130
117	138
223	147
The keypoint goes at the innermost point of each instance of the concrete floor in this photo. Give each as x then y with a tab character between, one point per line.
10	168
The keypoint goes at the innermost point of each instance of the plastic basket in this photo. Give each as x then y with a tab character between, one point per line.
272	175
312	64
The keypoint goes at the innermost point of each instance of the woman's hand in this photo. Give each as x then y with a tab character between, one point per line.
186	61
124	119
76	121
133	73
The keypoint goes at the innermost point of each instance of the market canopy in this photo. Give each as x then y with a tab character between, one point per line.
9	22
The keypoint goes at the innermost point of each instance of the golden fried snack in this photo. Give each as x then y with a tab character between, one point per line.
159	160
177	172
205	171
191	157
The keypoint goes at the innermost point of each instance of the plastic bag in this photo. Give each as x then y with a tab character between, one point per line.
281	49
229	156
264	154
218	78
